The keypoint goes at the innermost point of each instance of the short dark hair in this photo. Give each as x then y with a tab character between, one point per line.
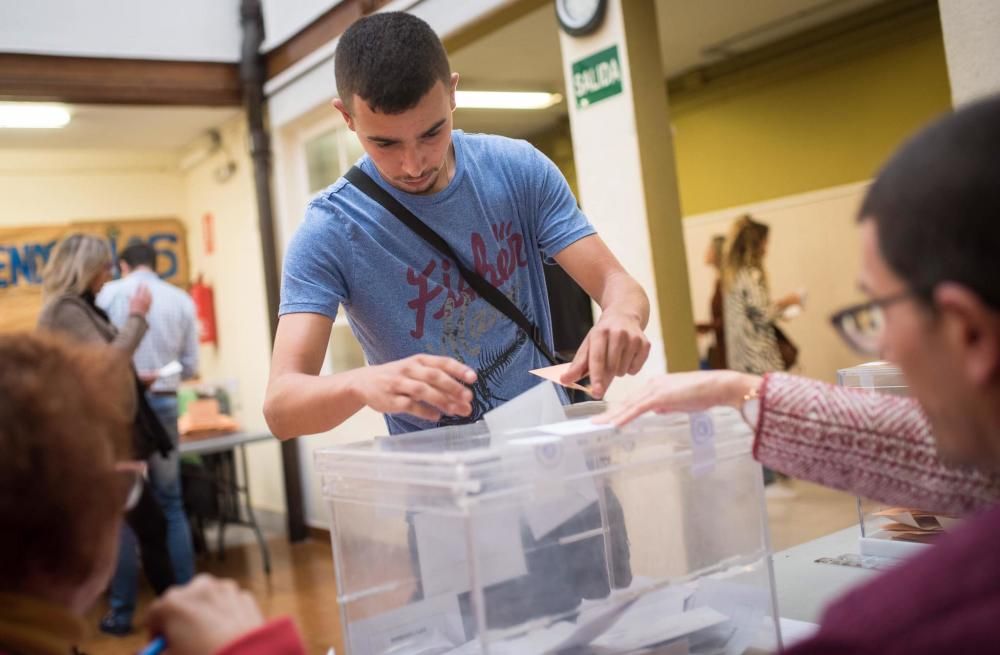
936	204
139	253
391	60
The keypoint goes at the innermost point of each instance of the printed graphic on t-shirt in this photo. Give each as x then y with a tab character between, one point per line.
440	293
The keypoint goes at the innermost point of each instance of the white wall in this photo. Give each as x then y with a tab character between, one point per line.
189	30
813	244
972	45
283	19
236	273
58	186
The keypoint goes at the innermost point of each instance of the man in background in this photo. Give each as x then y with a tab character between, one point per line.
172	336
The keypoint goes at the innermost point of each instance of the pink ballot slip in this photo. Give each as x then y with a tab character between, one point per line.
555	373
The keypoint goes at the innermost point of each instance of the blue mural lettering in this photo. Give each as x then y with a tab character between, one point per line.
22	264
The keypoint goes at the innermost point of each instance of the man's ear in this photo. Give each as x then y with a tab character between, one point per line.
454	88
339	105
972	329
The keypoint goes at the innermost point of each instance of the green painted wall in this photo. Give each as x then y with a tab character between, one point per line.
807	121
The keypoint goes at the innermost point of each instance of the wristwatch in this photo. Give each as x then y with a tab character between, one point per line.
750	409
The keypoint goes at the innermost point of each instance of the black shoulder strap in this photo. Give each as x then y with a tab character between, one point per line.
486	291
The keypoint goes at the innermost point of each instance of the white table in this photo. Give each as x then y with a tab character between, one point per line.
234	495
805	587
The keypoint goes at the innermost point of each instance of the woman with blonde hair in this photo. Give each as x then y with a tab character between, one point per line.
751	342
751	336
80	265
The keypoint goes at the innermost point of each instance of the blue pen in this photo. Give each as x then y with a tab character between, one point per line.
154	647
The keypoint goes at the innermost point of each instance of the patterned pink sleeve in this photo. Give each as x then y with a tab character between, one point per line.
873	445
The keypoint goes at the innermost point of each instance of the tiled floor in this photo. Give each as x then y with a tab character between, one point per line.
302	582
813	512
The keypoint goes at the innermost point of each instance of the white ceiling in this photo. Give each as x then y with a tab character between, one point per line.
113	127
523	55
192	30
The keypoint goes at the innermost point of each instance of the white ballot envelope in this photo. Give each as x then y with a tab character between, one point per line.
429	627
540	410
443	556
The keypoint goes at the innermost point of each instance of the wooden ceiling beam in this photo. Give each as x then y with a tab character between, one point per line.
92	80
321	31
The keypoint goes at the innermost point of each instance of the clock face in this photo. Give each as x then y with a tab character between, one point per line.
579	17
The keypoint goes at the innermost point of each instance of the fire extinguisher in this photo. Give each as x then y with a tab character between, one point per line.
204	304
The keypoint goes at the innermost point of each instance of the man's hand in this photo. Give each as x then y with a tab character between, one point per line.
203	616
615	346
684	392
426	386
147	378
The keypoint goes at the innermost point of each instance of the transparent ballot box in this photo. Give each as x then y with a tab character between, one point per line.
562	538
889	532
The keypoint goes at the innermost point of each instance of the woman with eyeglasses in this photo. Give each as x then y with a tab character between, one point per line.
77	269
930	247
65	480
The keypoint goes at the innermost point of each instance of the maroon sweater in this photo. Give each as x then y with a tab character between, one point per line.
946	600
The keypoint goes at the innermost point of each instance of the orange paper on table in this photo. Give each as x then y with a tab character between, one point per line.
555	373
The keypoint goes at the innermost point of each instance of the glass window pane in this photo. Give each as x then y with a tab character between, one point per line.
323	160
352	147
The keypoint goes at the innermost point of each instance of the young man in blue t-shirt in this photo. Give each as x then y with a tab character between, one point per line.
437	352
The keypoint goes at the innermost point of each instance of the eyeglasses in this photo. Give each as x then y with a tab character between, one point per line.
862	325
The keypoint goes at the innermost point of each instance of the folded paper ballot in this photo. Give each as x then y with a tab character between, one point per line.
914	525
627	623
428	627
168	370
555	373
540	405
444	563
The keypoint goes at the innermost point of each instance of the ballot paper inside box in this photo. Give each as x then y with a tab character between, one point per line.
566	537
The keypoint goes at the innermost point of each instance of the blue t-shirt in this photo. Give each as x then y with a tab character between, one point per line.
506	208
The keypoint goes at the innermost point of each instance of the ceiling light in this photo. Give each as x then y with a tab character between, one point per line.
506	99
32	115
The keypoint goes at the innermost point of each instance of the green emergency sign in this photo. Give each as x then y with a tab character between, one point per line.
597	77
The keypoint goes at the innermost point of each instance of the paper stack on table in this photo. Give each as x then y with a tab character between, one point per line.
912	525
203	419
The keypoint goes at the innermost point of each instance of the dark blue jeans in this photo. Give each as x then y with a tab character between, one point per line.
165	480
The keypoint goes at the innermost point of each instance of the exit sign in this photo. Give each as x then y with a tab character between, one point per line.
597	77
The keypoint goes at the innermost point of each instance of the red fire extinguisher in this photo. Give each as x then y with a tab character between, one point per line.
204	304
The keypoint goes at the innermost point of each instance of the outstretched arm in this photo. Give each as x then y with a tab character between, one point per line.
616	345
301	401
873	445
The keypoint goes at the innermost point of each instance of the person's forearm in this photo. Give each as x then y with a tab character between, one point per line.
298	404
131	334
873	445
622	294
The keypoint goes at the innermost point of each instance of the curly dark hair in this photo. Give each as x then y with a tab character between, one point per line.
390	60
63	427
